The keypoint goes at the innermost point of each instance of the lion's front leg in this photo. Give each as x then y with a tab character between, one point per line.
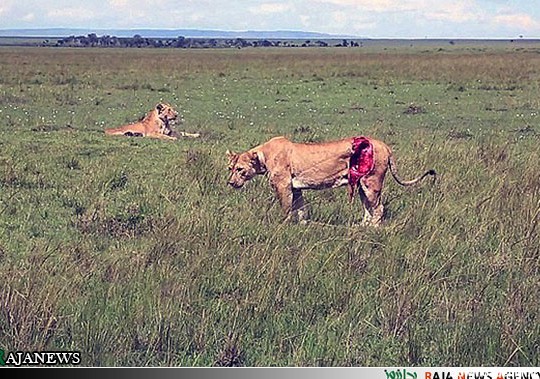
292	203
283	186
190	135
160	136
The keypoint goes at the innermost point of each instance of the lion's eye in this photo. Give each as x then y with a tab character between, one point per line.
239	169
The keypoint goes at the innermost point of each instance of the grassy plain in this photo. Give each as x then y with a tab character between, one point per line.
135	252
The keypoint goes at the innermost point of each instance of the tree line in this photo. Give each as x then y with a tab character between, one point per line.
92	40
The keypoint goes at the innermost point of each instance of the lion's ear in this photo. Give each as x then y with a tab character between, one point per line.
232	157
159	107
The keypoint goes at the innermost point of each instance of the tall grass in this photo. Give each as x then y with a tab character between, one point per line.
135	252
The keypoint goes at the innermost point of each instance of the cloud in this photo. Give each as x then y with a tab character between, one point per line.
456	12
269	8
339	17
118	3
381	6
517	20
146	6
29	17
391	16
6	6
71	14
305	20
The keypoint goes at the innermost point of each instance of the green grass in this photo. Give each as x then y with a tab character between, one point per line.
135	252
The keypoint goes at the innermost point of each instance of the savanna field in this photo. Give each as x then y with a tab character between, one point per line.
135	252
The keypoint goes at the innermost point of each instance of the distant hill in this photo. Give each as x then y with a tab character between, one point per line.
170	33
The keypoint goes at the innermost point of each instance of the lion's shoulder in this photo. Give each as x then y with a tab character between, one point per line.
151	121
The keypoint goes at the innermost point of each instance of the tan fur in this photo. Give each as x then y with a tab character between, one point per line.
156	124
293	167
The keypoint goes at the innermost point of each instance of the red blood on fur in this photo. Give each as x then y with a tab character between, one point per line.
361	162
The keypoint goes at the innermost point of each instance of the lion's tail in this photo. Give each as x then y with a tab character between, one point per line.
393	170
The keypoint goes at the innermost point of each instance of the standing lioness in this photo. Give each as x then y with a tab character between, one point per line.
156	124
293	167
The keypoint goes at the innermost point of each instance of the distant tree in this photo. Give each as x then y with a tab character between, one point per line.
92	39
104	41
107	41
180	42
84	41
139	41
239	42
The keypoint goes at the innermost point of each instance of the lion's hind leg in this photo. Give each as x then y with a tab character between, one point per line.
124	131
370	194
299	211
133	134
114	132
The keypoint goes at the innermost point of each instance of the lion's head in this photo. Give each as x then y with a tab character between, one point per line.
243	167
167	115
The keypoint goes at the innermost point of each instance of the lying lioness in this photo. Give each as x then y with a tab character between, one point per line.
293	167
156	124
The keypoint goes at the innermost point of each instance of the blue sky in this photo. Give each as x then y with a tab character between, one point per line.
364	18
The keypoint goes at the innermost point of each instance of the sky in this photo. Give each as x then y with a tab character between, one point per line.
362	18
